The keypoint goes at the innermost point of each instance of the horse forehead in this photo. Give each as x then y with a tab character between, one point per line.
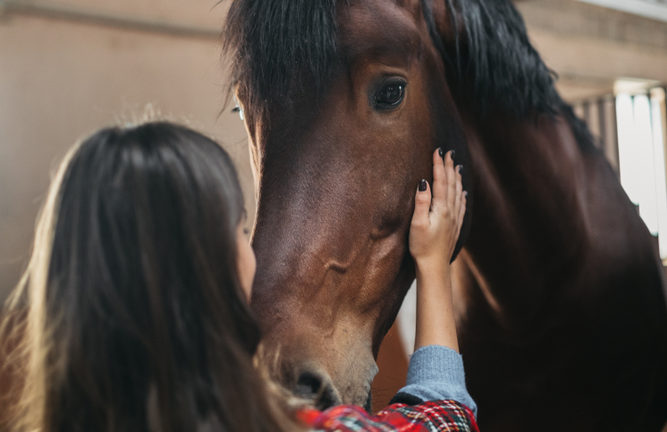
379	25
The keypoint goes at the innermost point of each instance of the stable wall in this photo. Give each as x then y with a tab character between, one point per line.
62	79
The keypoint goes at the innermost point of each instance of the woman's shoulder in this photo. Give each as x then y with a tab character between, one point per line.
445	415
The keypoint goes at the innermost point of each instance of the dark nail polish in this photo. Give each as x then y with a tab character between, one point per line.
422	185
465	194
441	152
453	154
459	168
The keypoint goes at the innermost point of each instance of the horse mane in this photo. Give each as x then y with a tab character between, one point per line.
280	48
494	63
283	48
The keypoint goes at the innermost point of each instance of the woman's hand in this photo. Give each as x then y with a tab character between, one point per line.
437	219
435	228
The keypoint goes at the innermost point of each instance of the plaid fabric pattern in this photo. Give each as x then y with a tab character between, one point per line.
446	415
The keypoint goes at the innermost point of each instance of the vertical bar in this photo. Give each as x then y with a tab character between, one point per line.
579	110
602	124
587	113
593	122
612	150
664	121
657	105
626	135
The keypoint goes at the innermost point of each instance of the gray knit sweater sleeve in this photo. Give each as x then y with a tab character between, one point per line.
436	373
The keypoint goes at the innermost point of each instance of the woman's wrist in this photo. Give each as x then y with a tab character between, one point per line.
432	269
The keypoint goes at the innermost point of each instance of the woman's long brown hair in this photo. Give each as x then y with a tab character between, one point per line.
136	319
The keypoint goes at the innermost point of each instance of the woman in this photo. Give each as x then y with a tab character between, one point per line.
137	293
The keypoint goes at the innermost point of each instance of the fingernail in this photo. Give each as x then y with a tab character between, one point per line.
441	152
422	185
453	154
459	169
465	194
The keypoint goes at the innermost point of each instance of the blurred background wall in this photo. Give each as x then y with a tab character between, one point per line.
72	66
68	67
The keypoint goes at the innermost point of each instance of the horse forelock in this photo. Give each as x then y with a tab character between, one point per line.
280	48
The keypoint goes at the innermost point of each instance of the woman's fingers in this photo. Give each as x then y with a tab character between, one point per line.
439	180
422	204
462	211
458	190
451	178
447	193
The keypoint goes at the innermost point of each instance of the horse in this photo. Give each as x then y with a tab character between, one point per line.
558	287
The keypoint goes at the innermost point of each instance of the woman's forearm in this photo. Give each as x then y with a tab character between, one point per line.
435	314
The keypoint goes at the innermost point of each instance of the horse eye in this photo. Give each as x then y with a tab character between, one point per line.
237	109
390	95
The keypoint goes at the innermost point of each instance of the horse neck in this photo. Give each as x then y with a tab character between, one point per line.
529	215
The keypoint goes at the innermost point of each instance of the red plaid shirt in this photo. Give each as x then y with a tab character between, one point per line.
446	415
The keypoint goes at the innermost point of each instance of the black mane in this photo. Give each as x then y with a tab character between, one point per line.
285	47
280	48
493	59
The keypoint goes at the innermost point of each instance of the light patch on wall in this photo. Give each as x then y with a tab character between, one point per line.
654	9
641	142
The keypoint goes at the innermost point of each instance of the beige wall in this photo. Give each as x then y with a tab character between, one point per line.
590	47
60	80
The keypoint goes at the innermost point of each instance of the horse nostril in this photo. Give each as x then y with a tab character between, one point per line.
308	384
317	388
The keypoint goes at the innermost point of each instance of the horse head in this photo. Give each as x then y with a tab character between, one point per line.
344	103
